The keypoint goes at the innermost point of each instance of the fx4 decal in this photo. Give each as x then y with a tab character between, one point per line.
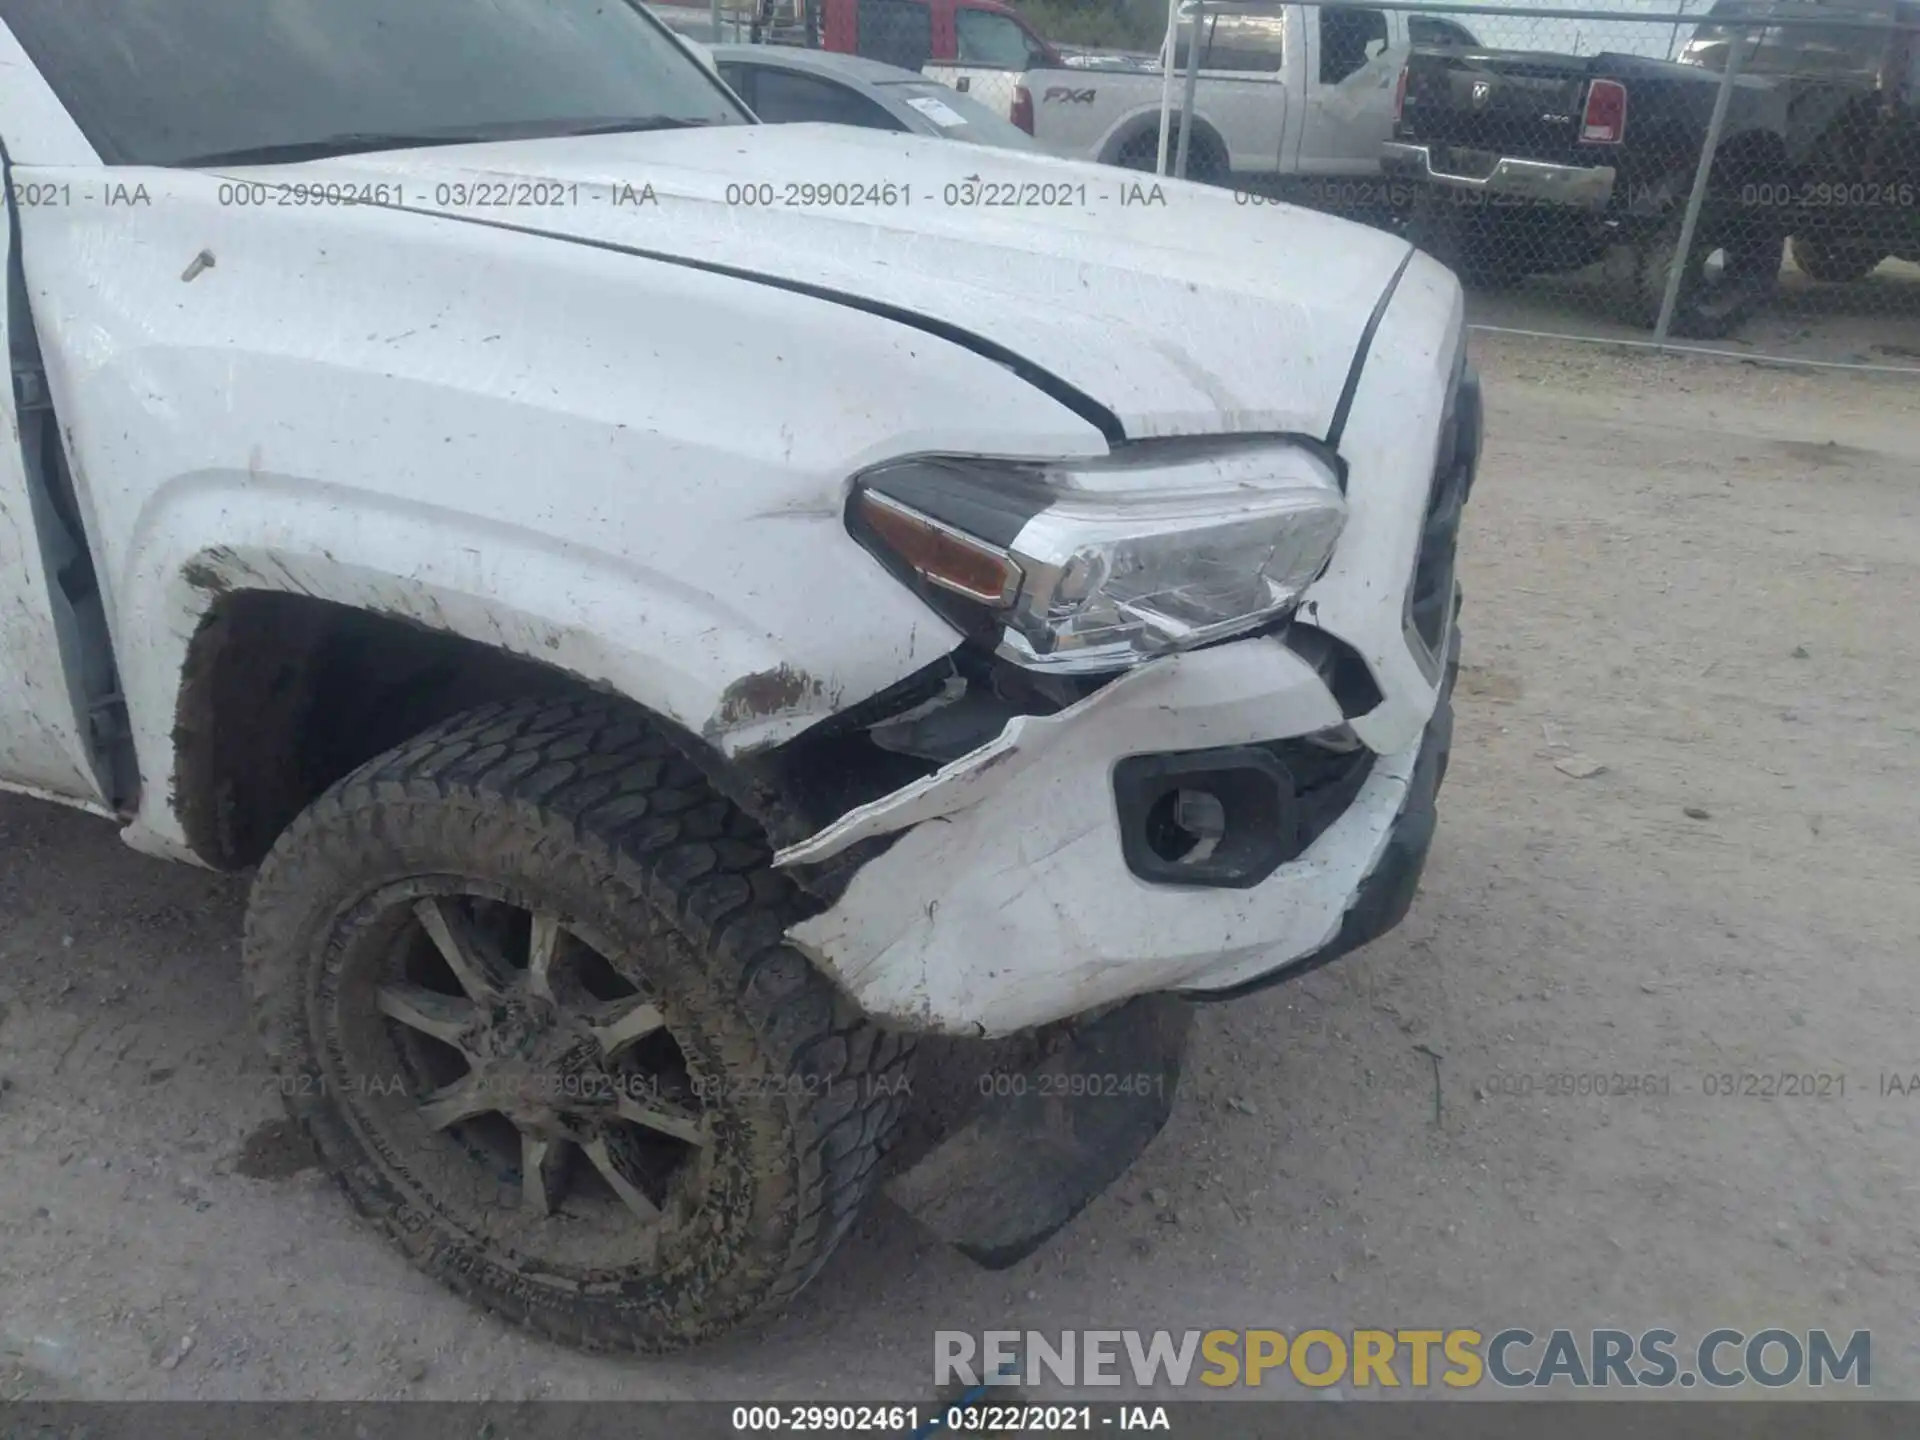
1071	97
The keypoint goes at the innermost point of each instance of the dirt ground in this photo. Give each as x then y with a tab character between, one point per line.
1875	321
1703	576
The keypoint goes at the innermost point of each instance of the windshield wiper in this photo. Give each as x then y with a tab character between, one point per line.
360	142
628	127
353	143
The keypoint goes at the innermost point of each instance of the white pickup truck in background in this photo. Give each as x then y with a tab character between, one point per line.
1293	93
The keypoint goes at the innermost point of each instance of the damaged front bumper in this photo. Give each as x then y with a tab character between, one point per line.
1043	1144
1027	881
1016	894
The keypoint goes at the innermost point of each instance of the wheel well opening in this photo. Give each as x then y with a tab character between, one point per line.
1143	133
285	694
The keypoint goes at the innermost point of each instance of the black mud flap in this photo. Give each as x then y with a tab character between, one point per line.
1026	1162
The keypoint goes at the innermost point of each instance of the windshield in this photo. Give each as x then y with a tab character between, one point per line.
174	82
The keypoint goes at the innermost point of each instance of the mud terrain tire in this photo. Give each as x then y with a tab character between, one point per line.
578	812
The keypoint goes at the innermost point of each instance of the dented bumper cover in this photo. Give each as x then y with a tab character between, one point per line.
1005	899
1038	1150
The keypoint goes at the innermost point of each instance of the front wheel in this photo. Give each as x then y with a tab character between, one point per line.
524	985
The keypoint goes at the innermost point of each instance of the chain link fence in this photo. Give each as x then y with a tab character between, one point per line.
1747	180
1739	175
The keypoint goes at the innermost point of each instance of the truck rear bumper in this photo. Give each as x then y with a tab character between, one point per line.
1582	186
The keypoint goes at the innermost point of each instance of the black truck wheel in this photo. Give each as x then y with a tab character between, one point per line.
1730	271
1834	262
1468	239
524	985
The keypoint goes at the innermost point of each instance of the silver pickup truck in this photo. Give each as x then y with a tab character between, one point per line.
1294	92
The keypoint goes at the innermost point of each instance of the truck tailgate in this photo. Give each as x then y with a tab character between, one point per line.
1501	102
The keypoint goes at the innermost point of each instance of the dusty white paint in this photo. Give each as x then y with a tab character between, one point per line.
1016	907
35	792
535	427
1184	314
42	744
629	469
1391	442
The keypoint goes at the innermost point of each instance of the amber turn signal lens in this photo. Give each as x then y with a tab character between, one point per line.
940	554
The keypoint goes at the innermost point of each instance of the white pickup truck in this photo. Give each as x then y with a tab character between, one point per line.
670	609
1298	94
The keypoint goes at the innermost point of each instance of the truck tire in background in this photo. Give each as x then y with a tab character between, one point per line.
1731	269
1206	156
524	984
1834	262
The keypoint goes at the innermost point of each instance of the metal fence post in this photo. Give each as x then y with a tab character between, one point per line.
1736	55
1166	81
1186	98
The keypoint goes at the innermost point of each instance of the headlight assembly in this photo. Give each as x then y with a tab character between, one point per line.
1104	564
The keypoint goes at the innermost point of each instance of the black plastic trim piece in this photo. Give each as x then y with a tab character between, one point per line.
1045	381
1386	895
996	516
1255	792
1472	425
1352	386
1035	1153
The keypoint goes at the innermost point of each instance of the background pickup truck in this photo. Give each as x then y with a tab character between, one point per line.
1532	163
978	47
1285	91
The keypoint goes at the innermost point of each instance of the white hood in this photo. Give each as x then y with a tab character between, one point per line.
1176	307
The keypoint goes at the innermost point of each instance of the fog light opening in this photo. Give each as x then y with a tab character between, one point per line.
1205	817
1185	827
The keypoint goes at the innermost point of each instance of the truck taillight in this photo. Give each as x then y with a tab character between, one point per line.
1605	120
1022	112
1400	95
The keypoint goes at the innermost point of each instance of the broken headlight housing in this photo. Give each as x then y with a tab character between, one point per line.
1103	564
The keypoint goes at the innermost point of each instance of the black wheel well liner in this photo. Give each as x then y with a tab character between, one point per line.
284	694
